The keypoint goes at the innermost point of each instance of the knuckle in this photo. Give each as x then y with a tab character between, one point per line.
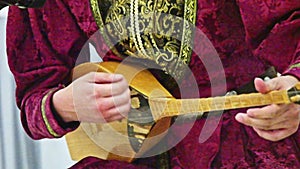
116	88
103	105
274	109
295	113
90	75
114	111
273	114
107	75
108	113
127	108
103	116
125	86
127	91
269	123
248	121
265	126
127	95
101	91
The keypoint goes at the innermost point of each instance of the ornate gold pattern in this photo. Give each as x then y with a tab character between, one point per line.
158	31
296	65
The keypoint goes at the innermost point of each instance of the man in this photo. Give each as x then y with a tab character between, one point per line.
249	37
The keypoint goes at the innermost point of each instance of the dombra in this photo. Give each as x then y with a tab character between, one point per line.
152	110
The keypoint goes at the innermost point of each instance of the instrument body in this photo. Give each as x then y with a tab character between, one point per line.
113	136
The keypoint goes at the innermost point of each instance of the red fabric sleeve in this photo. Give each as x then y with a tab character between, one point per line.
42	46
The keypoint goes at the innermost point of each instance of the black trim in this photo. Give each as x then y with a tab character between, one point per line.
36	4
22	3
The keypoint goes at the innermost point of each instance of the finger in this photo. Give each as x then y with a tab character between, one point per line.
270	111
269	124
265	87
277	83
282	124
240	118
95	117
275	135
122	110
100	77
253	122
112	89
114	101
115	118
290	118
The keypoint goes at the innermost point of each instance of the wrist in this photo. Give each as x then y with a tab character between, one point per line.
63	104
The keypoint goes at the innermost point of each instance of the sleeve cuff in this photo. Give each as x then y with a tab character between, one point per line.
54	124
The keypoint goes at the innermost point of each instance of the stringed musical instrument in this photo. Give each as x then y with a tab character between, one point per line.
152	109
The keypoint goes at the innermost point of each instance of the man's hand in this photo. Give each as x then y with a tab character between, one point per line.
94	97
273	122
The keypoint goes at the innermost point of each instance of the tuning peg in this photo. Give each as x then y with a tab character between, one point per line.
295	99
294	94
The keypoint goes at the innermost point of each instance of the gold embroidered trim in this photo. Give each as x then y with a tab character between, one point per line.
296	65
189	18
43	108
157	30
99	21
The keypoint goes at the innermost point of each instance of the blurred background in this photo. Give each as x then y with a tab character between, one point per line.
17	150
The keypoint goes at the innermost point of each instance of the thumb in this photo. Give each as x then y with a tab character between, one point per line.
265	86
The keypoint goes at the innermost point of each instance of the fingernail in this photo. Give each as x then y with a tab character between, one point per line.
239	117
118	77
258	78
249	112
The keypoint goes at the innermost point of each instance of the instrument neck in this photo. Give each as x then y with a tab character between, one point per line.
166	107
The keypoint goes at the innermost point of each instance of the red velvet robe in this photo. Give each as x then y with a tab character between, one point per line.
249	36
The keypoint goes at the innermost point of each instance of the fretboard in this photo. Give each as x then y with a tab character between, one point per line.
165	107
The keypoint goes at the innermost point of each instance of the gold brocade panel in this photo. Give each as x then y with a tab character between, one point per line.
155	32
